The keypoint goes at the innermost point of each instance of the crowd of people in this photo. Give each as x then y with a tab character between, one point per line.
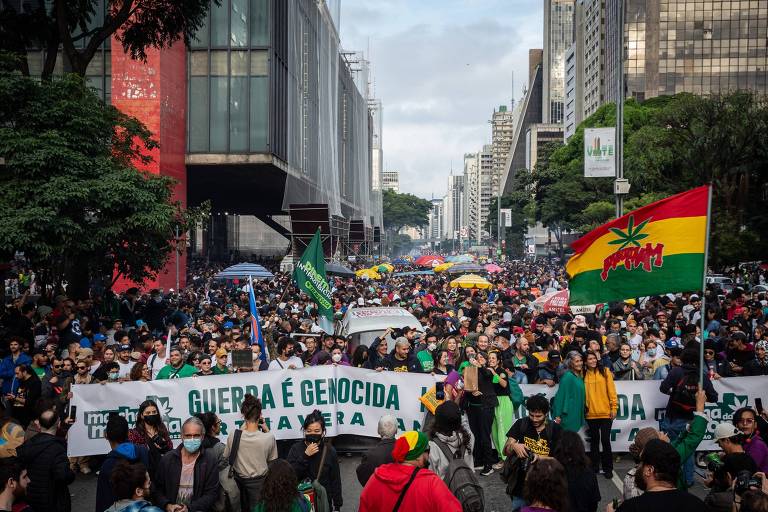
499	336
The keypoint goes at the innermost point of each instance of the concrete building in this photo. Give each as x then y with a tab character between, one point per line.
590	34
390	180
536	137
435	227
701	47
478	169
454	207
502	129
558	36
573	93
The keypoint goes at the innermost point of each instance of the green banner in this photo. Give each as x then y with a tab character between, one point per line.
310	277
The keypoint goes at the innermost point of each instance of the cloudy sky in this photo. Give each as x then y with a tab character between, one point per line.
440	68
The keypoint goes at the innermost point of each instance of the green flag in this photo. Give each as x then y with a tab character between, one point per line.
310	277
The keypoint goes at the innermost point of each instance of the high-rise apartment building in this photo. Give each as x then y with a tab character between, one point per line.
558	36
590	33
390	180
502	130
478	169
453	207
435	227
573	93
701	47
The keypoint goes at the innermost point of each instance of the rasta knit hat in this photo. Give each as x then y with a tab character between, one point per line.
410	446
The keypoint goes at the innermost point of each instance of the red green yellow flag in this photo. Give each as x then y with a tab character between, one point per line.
659	248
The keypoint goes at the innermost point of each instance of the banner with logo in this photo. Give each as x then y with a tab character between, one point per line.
352	401
599	152
641	405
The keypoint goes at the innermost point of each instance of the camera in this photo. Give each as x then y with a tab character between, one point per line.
527	461
714	463
744	481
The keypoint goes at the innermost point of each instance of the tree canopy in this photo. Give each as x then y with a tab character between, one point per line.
70	196
672	144
401	210
81	27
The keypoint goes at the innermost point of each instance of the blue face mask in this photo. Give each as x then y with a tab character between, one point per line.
651	352
678	332
192	445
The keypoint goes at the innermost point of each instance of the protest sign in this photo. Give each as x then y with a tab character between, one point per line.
352	401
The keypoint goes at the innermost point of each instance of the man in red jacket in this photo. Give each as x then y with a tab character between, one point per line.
407	482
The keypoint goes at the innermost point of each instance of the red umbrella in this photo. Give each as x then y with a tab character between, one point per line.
492	267
430	260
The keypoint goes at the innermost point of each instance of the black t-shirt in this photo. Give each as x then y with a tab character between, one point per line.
679	501
540	443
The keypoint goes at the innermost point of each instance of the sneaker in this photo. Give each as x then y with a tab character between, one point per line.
487	471
608	474
498	466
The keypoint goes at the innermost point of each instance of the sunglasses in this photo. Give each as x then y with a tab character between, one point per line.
58	366
710	352
81	367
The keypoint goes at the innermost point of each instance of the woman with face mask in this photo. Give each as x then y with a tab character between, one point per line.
151	432
313	458
337	356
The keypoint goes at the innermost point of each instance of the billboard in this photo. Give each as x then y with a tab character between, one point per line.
599	152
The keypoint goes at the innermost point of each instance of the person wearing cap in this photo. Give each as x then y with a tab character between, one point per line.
176	369
656	476
421	489
124	360
685	445
221	368
549	370
715	364
673	348
729	438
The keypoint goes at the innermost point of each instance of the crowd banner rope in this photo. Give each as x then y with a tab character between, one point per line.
351	399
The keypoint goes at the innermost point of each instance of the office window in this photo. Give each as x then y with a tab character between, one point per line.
259	113
198	114
238	115
259	17
219	114
201	36
219	25
239	21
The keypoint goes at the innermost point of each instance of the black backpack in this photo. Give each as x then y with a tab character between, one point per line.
683	396
461	479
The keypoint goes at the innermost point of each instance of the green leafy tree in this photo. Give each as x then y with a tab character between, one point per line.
70	195
672	144
401	210
80	29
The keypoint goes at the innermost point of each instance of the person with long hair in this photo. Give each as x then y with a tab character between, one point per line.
569	401
447	433
140	372
503	414
279	493
360	356
602	405
306	456
454	350
442	365
546	487
583	490
257	447
151	432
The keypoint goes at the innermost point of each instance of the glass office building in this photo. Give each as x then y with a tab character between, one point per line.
697	46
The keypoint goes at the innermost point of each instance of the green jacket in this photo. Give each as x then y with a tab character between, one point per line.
687	442
569	401
167	371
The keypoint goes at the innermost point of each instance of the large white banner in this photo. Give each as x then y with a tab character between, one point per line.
352	401
599	152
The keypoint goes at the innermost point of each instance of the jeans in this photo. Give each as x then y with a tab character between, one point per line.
520	377
481	423
600	433
518	503
674	427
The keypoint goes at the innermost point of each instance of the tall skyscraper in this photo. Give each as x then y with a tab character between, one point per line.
701	47
502	130
435	227
590	33
558	36
453	207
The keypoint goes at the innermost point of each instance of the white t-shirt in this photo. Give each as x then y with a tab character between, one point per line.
277	364
156	363
125	368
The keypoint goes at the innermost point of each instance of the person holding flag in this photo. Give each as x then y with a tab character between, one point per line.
310	277
257	336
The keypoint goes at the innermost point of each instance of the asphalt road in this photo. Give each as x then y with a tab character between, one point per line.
84	489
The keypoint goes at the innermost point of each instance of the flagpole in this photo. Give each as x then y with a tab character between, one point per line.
703	312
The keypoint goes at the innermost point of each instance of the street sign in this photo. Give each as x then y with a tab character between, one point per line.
506	217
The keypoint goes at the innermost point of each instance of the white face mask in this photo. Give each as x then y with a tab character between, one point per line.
431	347
336	358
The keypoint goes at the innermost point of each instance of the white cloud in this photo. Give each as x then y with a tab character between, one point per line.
440	68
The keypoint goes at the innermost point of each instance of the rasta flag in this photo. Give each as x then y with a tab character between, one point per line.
659	248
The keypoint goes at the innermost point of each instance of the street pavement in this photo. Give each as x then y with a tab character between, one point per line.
84	489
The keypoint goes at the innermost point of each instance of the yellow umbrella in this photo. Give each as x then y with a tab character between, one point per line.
368	274
471	281
442	267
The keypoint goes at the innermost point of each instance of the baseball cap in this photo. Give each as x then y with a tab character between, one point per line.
693	298
221	352
228	325
554	355
631	302
140	323
85	343
124	348
673	343
726	430
84	353
99	337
